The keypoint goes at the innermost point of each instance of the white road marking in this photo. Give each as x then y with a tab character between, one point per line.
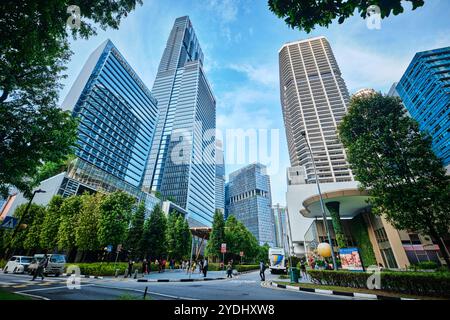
52	288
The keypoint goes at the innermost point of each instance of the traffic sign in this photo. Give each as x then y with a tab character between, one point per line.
241	253
9	223
109	248
119	247
223	248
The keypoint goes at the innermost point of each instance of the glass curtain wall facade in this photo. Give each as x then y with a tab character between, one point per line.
220	177
249	200
181	163
425	91
117	114
280	221
314	99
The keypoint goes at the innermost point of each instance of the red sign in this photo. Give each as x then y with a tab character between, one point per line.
223	248
241	253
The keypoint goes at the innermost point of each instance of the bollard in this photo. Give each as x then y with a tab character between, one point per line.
117	273
145	293
126	273
135	274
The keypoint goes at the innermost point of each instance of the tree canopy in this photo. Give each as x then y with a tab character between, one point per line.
34	51
307	14
154	237
395	163
217	236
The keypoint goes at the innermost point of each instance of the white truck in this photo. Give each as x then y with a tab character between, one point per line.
277	260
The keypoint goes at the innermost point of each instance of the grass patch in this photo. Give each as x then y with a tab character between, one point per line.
6	295
359	290
128	296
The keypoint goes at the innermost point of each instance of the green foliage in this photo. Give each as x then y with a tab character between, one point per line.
178	237
154	237
52	168
114	218
360	234
415	283
307	14
238	238
86	229
394	162
37	214
263	253
69	211
34	51
135	232
108	269
426	265
217	236
49	230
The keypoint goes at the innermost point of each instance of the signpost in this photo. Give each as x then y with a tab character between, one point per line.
9	223
119	248
241	254
223	249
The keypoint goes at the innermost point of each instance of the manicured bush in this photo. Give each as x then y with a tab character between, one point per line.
246	267
107	269
415	283
427	265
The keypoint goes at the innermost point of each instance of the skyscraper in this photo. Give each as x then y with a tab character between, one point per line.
425	91
220	177
181	163
314	99
117	114
249	200
279	218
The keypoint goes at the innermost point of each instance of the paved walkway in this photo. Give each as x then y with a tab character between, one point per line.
180	274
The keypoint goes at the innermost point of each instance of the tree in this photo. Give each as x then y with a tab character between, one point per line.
49	230
238	238
184	238
154	236
172	235
307	14
34	228
69	211
86	229
263	252
217	236
114	218
33	53
19	240
394	162
136	230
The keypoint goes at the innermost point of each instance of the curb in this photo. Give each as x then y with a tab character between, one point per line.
83	276
179	280
337	293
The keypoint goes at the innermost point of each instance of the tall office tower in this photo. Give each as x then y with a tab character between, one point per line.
117	114
279	218
425	91
249	200
220	177
181	163
314	99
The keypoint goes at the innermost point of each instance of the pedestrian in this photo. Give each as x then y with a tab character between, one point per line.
163	265
41	268
200	266
144	266
229	270
172	264
130	267
205	267
262	270
303	269
158	266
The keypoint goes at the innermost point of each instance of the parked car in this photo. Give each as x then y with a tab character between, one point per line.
18	264
56	264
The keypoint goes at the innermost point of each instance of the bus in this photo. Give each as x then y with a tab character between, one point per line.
277	260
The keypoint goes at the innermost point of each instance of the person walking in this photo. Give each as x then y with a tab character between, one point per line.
229	270
40	268
303	269
130	267
205	267
158	265
144	266
262	270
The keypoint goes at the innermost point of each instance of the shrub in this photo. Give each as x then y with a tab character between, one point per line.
415	283
427	265
107	269
246	267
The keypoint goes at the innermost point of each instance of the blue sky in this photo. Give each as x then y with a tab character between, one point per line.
241	39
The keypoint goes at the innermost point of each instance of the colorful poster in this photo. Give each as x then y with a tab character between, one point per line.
350	259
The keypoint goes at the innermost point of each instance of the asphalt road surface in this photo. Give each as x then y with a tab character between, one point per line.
243	287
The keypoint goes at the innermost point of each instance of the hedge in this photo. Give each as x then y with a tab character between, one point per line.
414	283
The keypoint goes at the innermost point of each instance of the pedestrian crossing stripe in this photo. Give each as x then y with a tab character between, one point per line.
45	284
20	286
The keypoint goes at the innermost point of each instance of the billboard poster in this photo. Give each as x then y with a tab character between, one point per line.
350	259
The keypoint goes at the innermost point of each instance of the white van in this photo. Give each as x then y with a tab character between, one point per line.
277	260
56	264
17	264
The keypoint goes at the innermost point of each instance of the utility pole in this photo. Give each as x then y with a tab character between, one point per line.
322	206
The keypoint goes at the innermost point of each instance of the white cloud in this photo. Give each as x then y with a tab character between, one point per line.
261	74
227	9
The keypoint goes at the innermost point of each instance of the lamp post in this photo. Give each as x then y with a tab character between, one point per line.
322	206
289	239
22	219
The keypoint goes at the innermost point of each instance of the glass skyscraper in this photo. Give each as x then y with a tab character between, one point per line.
425	91
220	177
279	217
181	164
117	114
249	200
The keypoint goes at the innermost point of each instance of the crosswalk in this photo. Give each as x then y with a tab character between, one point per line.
18	283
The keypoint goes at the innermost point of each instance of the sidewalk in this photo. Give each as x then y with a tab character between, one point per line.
181	275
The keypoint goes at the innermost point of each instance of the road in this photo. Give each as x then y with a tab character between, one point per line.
244	287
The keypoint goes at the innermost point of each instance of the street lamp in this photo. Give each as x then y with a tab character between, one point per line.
23	217
322	206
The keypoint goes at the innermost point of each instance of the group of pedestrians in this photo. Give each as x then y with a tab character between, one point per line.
201	266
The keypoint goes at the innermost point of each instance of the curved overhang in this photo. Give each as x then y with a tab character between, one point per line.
352	201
